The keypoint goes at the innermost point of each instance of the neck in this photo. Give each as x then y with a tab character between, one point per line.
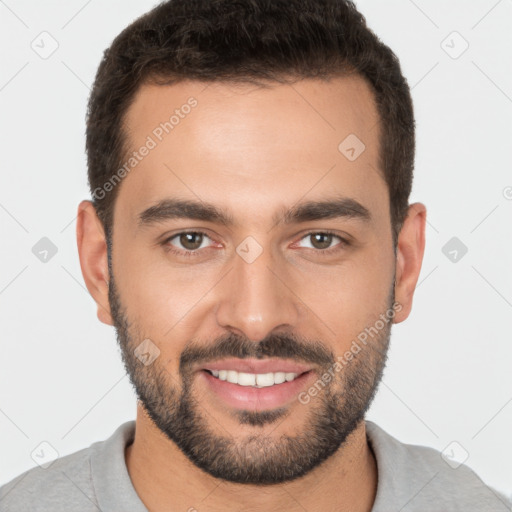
165	479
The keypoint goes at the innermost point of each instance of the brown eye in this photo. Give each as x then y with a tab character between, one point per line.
190	241
324	243
321	240
187	243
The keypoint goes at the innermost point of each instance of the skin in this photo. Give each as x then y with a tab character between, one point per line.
254	152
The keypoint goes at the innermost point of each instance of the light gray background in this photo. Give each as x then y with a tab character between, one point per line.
449	373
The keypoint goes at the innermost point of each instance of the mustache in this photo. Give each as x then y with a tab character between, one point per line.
284	346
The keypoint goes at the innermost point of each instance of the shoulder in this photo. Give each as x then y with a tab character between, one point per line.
66	480
417	478
81	481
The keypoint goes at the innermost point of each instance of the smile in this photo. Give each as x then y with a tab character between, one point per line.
257	380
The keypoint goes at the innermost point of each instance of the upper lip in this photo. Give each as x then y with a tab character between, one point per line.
258	365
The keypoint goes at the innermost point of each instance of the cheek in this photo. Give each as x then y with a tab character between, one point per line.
157	290
168	304
349	297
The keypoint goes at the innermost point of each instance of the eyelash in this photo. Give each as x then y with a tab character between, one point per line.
323	252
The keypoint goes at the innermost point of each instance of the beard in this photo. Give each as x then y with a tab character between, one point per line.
260	458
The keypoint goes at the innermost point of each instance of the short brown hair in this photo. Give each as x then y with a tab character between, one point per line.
248	41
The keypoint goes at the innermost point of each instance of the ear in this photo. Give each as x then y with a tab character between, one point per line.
410	249
92	251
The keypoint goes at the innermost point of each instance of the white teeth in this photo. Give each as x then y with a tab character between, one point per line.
280	377
232	376
246	379
259	380
265	379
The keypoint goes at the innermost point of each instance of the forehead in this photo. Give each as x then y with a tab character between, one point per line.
228	144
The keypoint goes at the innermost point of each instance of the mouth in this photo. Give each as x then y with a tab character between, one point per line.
256	384
256	380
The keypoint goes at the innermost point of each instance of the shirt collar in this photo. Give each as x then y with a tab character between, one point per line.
111	480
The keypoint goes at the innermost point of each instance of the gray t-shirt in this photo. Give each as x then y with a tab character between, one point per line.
411	478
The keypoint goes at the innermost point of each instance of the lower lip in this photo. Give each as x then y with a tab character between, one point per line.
249	397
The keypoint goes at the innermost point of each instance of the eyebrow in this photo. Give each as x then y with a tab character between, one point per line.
173	208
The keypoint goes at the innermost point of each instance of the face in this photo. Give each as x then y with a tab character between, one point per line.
248	245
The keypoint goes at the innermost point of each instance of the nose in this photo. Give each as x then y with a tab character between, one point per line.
258	298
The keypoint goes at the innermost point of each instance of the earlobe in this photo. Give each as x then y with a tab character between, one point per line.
92	251
409	257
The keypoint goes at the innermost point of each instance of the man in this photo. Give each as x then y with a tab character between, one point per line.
250	239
